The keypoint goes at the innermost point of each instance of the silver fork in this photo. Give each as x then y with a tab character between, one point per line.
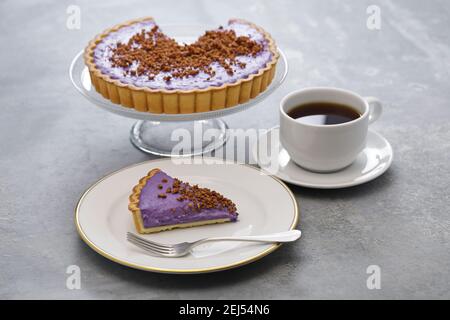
183	248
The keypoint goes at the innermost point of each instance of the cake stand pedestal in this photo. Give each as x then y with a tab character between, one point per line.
178	138
173	134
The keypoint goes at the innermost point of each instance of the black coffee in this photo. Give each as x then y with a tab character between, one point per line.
324	113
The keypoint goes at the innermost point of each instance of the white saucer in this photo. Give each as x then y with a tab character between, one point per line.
372	162
265	205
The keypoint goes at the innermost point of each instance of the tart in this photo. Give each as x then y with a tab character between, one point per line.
136	65
160	202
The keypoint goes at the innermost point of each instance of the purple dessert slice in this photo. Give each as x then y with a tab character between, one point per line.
160	202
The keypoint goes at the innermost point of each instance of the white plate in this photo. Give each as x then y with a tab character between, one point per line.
265	205
372	162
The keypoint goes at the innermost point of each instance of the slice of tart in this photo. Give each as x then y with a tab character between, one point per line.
160	202
136	65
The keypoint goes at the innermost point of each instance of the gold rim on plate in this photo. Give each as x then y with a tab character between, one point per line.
254	258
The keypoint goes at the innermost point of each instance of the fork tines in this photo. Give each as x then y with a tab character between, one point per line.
150	246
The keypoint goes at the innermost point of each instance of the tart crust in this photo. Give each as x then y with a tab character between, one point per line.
180	101
133	206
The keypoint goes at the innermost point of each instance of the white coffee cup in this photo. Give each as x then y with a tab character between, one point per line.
326	148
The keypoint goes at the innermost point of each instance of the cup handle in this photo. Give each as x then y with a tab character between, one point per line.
375	108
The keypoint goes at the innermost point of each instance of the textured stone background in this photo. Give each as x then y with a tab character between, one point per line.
54	144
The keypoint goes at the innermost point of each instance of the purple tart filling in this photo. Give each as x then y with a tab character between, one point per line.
243	66
168	201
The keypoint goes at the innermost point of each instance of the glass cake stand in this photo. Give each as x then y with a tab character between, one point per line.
157	133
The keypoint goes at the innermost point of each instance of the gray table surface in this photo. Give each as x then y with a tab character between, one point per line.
54	144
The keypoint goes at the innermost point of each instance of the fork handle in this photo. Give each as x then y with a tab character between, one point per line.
286	236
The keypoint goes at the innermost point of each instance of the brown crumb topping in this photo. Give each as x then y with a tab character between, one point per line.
199	198
203	198
153	52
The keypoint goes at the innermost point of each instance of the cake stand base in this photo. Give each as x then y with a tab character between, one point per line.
179	138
